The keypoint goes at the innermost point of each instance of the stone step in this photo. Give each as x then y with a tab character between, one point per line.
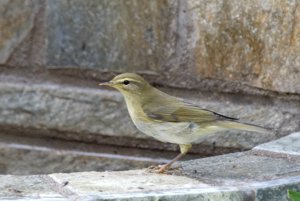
100	116
26	155
264	173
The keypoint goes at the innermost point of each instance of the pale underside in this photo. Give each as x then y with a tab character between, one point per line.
176	132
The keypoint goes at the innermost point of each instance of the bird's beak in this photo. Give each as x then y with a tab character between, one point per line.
106	84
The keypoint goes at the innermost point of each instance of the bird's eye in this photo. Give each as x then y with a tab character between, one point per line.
126	82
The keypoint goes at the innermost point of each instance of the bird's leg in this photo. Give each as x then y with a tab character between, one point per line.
184	148
168	165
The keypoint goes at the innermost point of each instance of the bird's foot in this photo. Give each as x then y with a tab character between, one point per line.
163	169
152	167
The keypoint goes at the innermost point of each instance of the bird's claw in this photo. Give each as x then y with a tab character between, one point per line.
163	169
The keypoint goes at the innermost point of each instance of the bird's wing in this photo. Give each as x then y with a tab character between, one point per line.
176	111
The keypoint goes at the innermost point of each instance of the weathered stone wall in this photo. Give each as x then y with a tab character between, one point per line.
239	58
253	43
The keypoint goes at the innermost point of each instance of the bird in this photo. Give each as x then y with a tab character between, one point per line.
171	119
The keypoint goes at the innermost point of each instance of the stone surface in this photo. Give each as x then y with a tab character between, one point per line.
36	160
254	42
187	34
16	23
242	167
276	190
85	114
289	145
249	47
137	185
26	187
141	185
32	155
253	175
221	45
127	182
53	107
231	44
110	35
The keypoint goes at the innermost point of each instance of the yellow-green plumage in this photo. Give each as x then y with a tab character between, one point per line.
170	119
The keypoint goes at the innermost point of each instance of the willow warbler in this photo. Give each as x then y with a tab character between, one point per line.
170	119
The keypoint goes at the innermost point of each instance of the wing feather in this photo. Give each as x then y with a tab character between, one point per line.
176	110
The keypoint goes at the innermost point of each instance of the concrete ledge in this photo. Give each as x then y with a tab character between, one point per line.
89	114
259	174
288	145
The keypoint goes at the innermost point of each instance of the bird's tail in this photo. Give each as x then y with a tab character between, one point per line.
243	126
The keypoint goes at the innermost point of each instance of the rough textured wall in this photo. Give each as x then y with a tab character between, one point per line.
239	58
16	23
110	35
254	43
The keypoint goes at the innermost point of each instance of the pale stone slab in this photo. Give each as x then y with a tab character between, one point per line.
142	185
34	199
123	182
242	168
69	109
26	187
90	113
29	159
253	175
287	145
275	189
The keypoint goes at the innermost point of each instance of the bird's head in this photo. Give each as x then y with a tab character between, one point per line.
129	84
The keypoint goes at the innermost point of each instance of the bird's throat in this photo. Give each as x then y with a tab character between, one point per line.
134	107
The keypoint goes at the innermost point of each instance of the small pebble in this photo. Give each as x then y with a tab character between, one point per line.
65	183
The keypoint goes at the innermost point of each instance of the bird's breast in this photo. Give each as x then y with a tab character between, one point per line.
173	132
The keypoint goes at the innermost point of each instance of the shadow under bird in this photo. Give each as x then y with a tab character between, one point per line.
170	119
